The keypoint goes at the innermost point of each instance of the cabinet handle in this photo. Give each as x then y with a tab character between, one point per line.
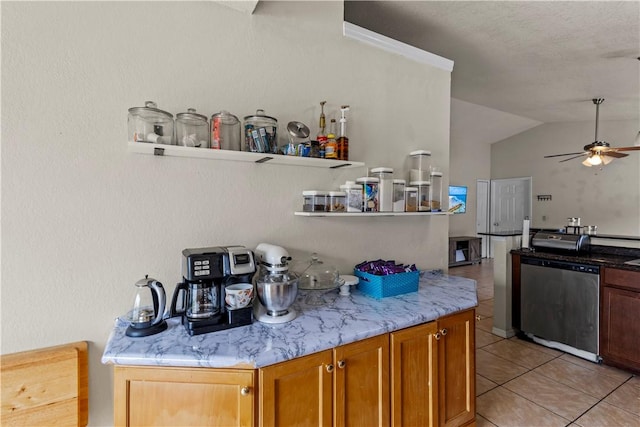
437	336
478	318
245	391
443	331
341	364
330	368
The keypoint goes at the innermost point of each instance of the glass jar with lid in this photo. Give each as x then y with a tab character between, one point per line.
398	195
385	188
369	193
150	124
260	133
420	165
225	131
435	195
192	129
424	203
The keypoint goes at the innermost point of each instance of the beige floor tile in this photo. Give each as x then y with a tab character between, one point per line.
635	380
536	346
483	422
495	368
483	385
485	324
605	415
591	382
603	369
558	398
484	338
506	409
485	308
519	354
626	397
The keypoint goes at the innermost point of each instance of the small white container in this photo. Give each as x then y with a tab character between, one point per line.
410	199
336	201
424	187
369	193
398	194
385	188
353	196
420	165
314	201
435	195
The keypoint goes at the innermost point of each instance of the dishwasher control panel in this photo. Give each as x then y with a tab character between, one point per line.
563	265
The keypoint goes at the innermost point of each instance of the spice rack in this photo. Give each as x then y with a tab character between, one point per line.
369	214
238	156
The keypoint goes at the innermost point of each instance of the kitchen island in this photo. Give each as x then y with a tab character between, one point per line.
394	361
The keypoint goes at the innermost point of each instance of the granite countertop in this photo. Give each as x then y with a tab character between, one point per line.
344	319
603	256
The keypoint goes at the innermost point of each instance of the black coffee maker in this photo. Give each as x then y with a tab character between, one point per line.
200	298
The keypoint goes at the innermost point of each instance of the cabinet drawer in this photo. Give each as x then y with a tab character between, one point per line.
622	278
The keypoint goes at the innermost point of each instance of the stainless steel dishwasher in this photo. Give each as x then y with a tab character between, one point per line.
559	305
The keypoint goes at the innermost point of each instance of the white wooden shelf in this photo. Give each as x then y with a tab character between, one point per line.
369	214
238	156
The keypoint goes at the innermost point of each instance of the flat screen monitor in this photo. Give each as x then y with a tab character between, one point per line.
457	199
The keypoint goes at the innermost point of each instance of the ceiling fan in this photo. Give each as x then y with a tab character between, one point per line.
598	152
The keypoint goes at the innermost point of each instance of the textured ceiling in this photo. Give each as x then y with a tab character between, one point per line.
542	60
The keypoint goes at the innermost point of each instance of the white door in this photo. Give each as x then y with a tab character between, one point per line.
482	215
510	203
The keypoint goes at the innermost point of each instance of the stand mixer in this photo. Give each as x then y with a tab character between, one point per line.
276	287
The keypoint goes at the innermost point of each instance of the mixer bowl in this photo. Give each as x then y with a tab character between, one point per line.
277	292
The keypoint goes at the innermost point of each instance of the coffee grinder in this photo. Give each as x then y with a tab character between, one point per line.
199	299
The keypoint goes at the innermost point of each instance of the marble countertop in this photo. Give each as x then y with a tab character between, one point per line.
344	319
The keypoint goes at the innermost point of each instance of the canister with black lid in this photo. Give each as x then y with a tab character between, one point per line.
150	124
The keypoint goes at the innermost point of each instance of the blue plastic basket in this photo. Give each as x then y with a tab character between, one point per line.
387	286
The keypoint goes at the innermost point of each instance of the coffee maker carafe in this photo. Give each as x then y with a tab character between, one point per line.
199	299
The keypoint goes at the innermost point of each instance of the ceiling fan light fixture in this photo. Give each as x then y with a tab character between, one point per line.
593	160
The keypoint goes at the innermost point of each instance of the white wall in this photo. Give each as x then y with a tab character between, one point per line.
83	219
607	197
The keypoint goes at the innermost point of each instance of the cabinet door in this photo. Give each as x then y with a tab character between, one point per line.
456	366
297	392
619	327
414	376
361	383
152	396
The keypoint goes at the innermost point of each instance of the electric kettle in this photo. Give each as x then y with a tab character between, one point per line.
147	314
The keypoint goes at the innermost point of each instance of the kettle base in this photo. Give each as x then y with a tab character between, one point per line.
145	332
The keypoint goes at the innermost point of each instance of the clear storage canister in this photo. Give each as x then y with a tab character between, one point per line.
436	192
150	124
398	195
420	165
369	193
225	131
260	133
385	188
336	201
410	199
192	129
314	201
353	196
424	203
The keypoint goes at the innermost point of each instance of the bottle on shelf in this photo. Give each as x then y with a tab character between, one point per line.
343	141
322	136
331	147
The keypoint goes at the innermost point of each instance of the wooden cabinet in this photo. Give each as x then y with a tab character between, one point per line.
464	250
433	373
348	386
619	314
298	392
150	396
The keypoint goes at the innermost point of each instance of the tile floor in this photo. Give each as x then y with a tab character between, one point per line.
522	384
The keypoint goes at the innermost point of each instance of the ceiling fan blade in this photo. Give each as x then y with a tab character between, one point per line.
567	154
614	154
634	148
571	158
